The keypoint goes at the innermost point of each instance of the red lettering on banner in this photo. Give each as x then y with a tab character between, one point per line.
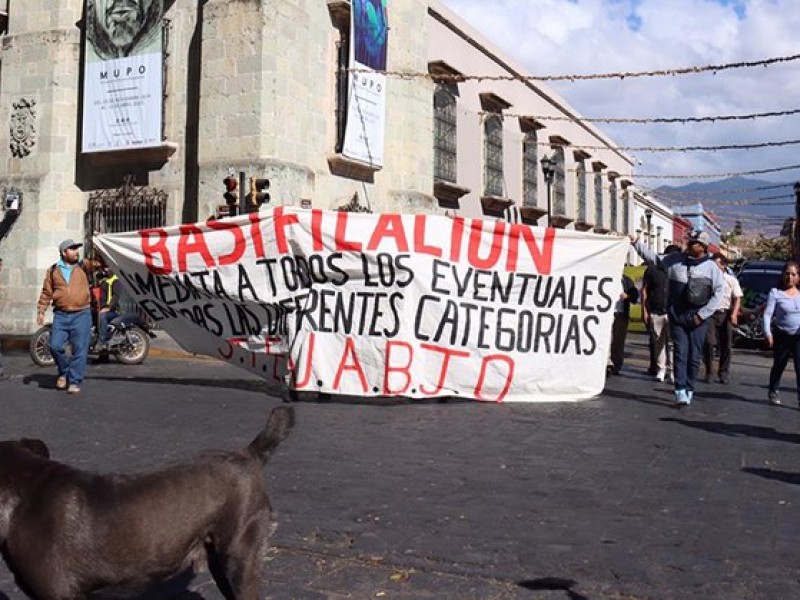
150	249
447	354
342	245
354	365
192	241
476	241
478	392
420	223
239	244
282	221
316	231
389	226
405	369
302	382
456	236
542	257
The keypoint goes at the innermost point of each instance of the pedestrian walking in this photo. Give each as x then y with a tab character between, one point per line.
619	329
694	292
783	336
720	327
3	374
66	286
654	314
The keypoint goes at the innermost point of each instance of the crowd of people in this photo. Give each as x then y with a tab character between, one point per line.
691	301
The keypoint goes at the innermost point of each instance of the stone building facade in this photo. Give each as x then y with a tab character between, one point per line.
250	86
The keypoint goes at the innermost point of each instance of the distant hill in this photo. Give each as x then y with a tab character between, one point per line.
761	206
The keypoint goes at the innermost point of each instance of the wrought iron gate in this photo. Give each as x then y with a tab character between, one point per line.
126	208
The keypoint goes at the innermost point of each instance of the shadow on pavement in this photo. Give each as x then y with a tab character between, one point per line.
736	429
793	478
553	584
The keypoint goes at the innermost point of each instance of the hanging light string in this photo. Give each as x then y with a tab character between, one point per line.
676	193
719	175
757	201
646	121
456	77
674	148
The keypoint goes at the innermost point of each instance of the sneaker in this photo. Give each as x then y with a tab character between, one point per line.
661	375
724	380
4	376
682	397
690	396
773	398
61	383
73	389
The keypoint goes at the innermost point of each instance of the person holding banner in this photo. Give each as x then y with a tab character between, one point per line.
694	292
619	329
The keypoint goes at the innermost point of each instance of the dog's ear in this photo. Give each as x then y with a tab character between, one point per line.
38	447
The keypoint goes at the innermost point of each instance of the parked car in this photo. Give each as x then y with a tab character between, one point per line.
756	278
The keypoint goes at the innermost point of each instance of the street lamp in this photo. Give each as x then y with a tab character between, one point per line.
549	172
796	236
648	215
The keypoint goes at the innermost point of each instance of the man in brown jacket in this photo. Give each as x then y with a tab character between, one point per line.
66	287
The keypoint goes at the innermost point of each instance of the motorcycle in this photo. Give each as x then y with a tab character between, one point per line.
129	342
751	325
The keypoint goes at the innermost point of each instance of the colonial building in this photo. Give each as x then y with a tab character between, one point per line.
270	90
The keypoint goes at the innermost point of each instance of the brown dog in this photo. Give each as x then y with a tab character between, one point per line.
67	533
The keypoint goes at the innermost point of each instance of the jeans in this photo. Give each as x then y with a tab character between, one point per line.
75	328
687	341
104	318
785	345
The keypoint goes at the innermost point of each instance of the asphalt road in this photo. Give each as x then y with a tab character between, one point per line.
621	497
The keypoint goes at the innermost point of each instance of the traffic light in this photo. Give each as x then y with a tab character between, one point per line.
231	196
257	196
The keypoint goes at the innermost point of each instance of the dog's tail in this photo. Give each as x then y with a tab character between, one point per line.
280	422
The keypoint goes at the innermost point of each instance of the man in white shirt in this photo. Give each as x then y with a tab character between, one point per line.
720	327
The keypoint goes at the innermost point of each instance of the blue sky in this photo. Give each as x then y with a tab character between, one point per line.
558	37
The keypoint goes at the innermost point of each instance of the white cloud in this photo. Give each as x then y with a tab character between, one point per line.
558	37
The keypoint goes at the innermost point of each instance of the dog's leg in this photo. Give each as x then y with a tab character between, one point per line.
236	564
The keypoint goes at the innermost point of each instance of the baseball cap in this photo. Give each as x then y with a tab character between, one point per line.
68	244
699	237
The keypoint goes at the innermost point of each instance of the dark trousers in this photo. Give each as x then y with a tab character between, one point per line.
687	344
784	346
619	331
719	334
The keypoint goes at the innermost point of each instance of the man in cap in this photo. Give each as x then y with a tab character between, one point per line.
66	286
694	292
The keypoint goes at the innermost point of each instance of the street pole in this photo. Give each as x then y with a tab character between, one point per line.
549	172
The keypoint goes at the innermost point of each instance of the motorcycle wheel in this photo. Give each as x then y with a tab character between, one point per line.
39	348
135	348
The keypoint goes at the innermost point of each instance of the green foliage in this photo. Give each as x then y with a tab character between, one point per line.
767	248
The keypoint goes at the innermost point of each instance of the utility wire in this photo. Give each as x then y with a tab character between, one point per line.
642	121
456	77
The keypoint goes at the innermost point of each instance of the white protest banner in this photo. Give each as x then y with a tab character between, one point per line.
380	305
